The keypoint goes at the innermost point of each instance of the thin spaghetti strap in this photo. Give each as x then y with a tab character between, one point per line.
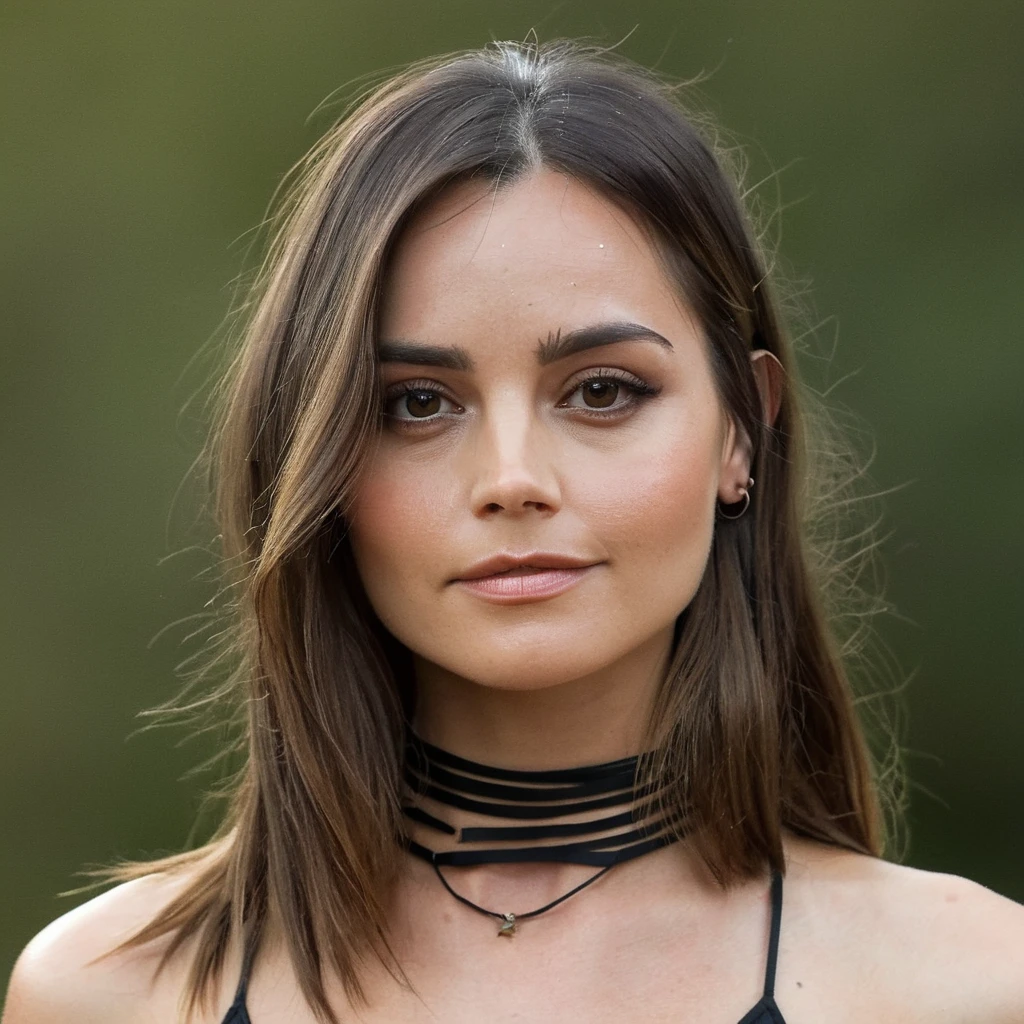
773	938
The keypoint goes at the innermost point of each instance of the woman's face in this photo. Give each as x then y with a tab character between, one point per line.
501	439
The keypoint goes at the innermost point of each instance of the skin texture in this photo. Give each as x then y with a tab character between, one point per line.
512	456
862	940
563	681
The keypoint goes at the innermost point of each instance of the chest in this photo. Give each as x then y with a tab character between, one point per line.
597	973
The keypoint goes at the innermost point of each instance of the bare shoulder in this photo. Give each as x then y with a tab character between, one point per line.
64	974
949	945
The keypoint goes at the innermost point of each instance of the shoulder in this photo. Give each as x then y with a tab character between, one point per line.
947	944
64	974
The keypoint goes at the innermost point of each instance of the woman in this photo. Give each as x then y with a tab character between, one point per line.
529	634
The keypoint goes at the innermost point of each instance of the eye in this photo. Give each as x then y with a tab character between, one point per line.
605	394
609	392
414	401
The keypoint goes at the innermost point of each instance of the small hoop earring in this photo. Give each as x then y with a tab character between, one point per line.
745	499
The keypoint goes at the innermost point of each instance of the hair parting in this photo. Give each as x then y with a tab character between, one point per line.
755	726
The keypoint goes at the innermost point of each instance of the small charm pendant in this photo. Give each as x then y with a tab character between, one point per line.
508	925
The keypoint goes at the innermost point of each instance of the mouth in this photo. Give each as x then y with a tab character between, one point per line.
525	563
525	583
519	570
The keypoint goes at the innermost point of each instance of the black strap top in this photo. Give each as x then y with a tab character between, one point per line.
765	1011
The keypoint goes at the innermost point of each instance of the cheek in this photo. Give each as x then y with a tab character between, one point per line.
657	507
647	509
655	517
398	520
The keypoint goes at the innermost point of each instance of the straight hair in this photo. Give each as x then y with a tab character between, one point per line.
754	729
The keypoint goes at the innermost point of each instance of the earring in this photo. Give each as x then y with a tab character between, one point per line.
745	499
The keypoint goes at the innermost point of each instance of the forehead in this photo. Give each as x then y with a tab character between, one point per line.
549	252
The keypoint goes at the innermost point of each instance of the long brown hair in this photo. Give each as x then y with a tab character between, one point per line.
754	724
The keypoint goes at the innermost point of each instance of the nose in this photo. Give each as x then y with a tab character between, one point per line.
511	459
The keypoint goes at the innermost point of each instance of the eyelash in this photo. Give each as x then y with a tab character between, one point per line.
638	389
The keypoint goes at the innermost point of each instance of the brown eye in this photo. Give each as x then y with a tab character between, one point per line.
600	394
609	394
422	403
413	404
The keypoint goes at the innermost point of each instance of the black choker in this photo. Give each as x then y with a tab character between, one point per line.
539	796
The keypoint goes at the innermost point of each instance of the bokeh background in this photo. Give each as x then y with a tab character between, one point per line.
142	142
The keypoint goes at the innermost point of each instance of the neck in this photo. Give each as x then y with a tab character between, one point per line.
598	717
549	725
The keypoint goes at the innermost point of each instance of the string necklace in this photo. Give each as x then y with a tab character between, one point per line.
627	825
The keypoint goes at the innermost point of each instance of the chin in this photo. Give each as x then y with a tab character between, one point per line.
527	677
522	660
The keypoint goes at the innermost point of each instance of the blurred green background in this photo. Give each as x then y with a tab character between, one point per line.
142	143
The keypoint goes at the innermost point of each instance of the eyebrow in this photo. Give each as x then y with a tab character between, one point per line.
557	346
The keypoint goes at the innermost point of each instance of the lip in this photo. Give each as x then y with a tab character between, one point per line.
528	586
544	574
531	559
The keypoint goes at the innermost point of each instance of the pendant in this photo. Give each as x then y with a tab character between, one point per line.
508	925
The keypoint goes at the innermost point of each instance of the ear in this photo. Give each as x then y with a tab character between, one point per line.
770	377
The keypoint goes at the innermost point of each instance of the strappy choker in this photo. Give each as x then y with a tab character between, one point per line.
546	799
